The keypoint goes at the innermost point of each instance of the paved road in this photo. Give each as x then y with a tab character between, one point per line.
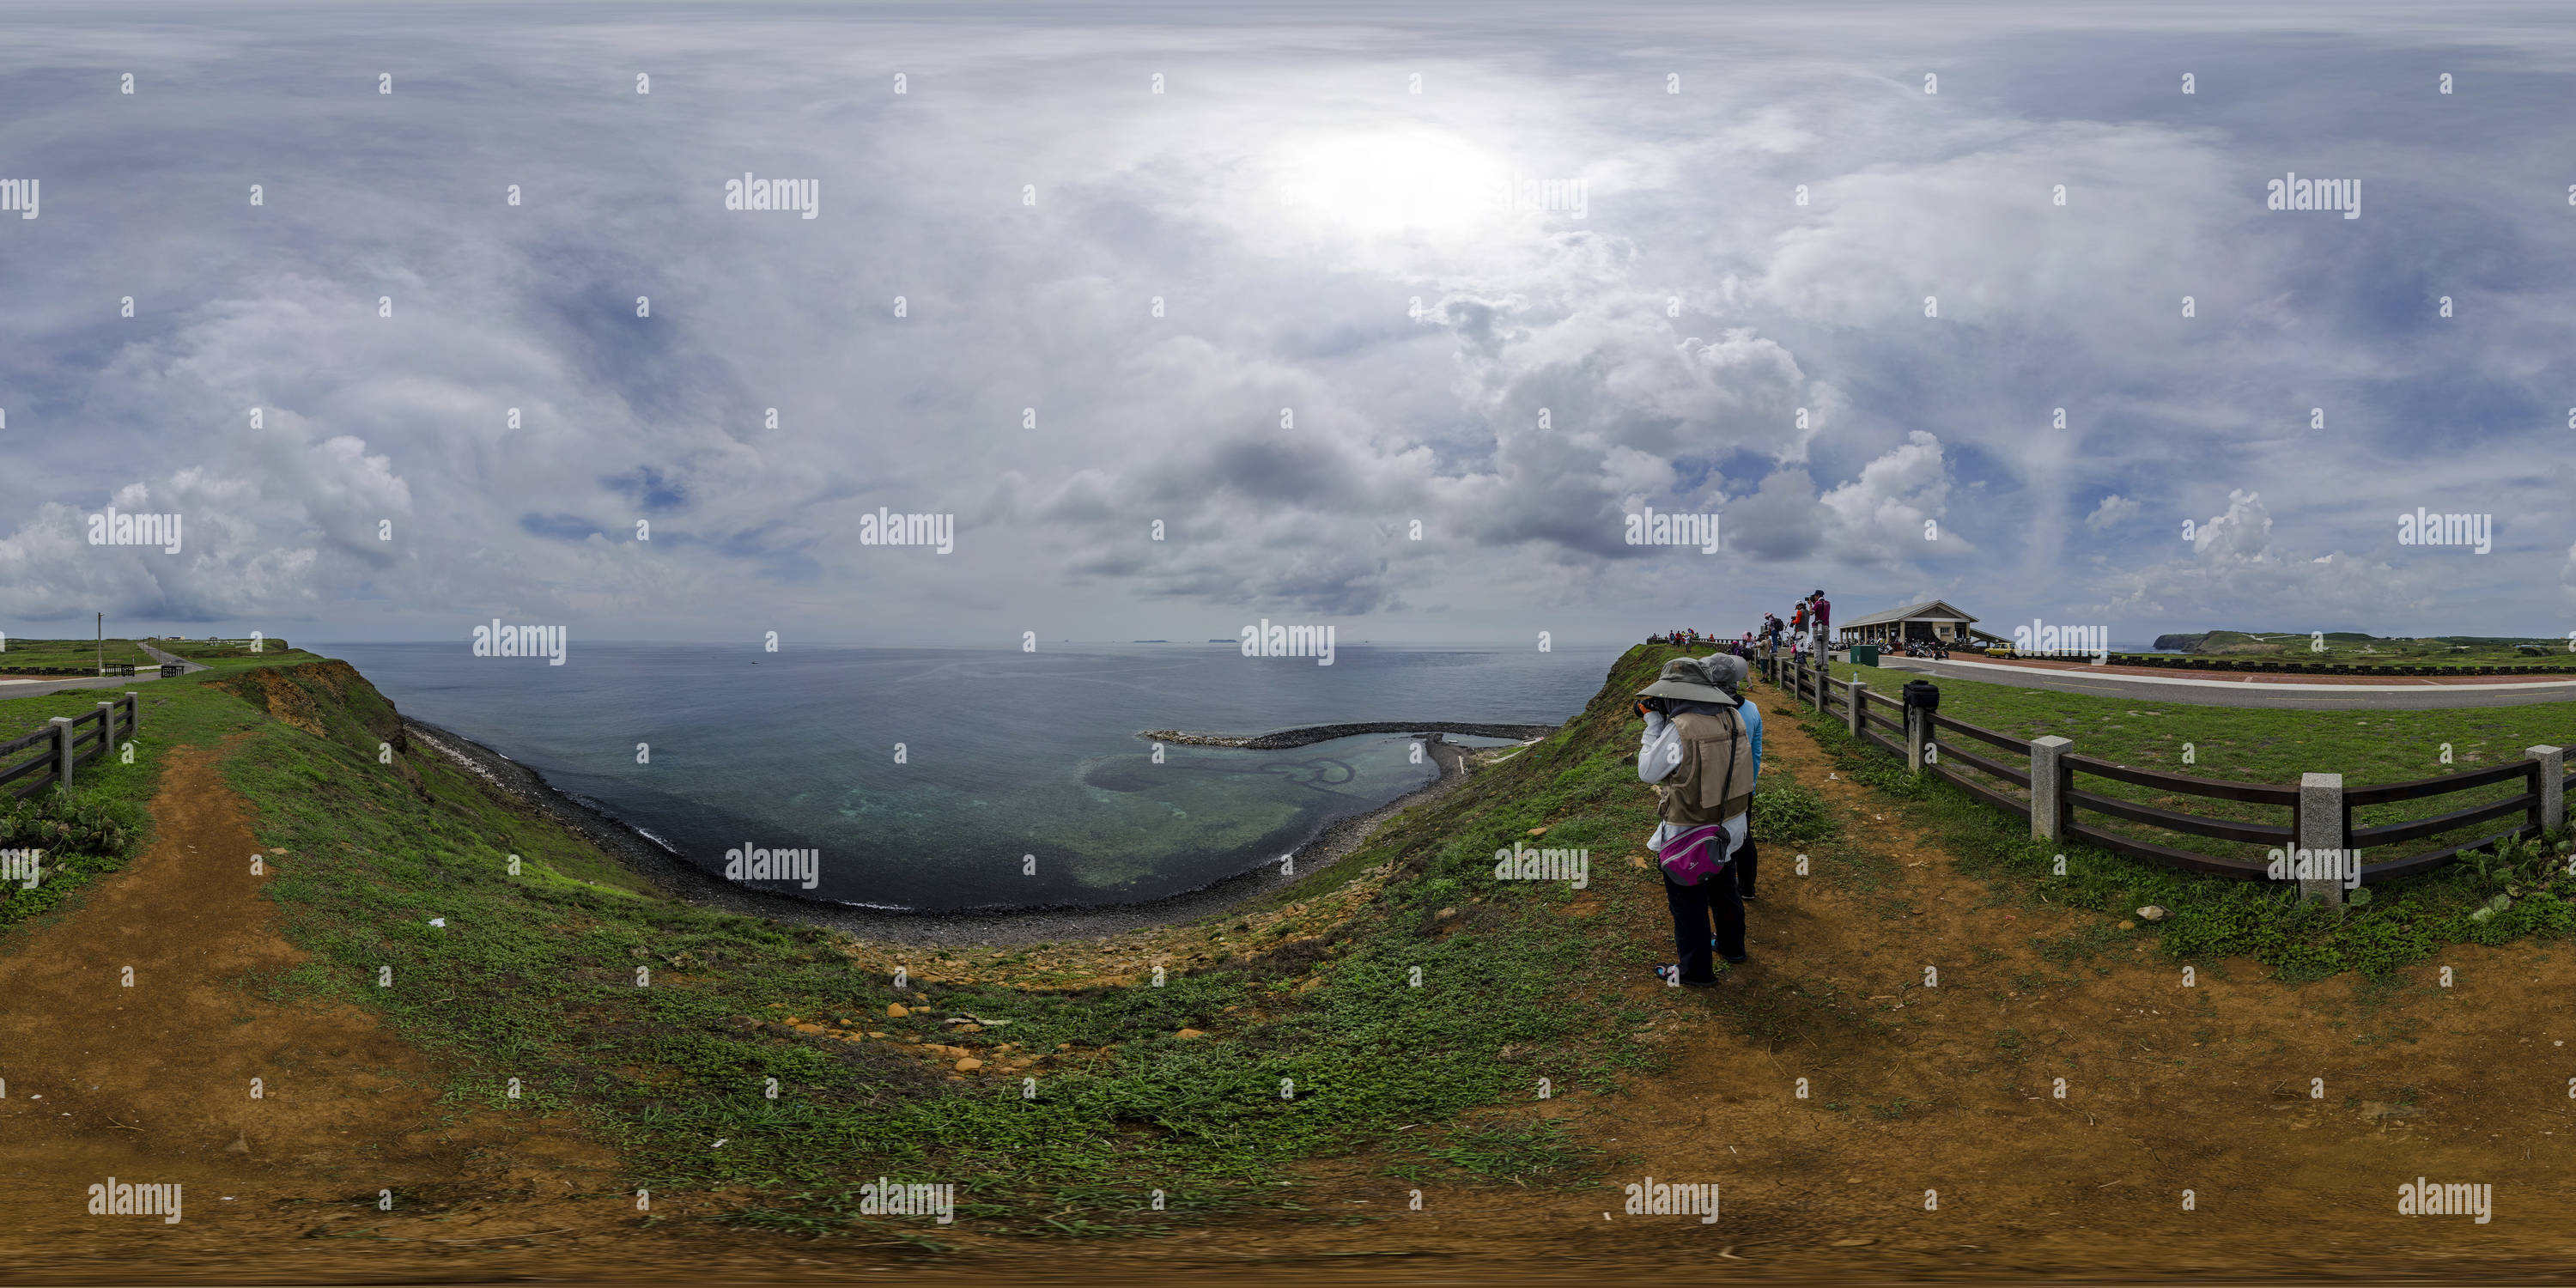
185	666
2255	693
120	683
30	688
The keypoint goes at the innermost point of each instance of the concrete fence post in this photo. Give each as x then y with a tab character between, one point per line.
2553	784
1821	681
2048	787
133	713
106	727
63	751
2321	832
1856	695
1916	730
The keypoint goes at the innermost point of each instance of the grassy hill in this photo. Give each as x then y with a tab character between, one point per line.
2355	647
67	657
1400	1016
1274	1042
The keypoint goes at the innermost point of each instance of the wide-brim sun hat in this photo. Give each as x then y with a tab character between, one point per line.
1697	679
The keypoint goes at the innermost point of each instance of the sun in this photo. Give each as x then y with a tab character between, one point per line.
1391	182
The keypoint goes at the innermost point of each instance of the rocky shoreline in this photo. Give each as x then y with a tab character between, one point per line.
1004	928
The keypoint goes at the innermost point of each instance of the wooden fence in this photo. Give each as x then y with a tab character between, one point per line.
66	742
2320	808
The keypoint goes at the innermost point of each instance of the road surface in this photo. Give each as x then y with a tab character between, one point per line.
2251	692
31	688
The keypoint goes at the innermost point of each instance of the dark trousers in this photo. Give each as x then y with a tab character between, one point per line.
1743	865
1718	896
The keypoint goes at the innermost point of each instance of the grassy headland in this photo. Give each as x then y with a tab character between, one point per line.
1390	1016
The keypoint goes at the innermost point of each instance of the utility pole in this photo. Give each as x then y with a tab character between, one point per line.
102	643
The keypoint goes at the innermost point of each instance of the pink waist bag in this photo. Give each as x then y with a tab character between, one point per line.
1693	856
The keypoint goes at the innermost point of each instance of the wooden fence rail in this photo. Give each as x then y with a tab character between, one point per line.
2043	788
66	743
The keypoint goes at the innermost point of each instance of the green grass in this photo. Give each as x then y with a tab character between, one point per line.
101	823
2251	745
533	977
2404	922
225	655
2359	649
26	656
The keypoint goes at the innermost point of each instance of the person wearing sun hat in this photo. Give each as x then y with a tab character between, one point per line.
1702	752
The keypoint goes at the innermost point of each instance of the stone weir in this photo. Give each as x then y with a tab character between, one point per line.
1325	733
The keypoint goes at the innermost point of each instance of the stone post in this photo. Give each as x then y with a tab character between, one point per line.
1916	730
106	727
2321	831
133	713
2553	784
1856	694
2047	787
63	751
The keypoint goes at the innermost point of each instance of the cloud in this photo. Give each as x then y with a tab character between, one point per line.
1514	382
2114	510
1889	515
2243	534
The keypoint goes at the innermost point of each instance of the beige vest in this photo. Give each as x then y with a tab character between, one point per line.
1715	779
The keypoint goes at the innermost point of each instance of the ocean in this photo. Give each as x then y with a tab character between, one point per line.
1019	782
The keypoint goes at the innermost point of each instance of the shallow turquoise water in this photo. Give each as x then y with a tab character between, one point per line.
1021	783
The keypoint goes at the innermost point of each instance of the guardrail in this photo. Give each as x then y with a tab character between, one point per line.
2320	807
62	745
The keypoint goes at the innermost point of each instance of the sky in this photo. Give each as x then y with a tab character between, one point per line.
1388	317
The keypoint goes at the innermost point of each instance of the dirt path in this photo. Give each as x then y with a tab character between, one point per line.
2207	1088
150	1081
1912	1088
